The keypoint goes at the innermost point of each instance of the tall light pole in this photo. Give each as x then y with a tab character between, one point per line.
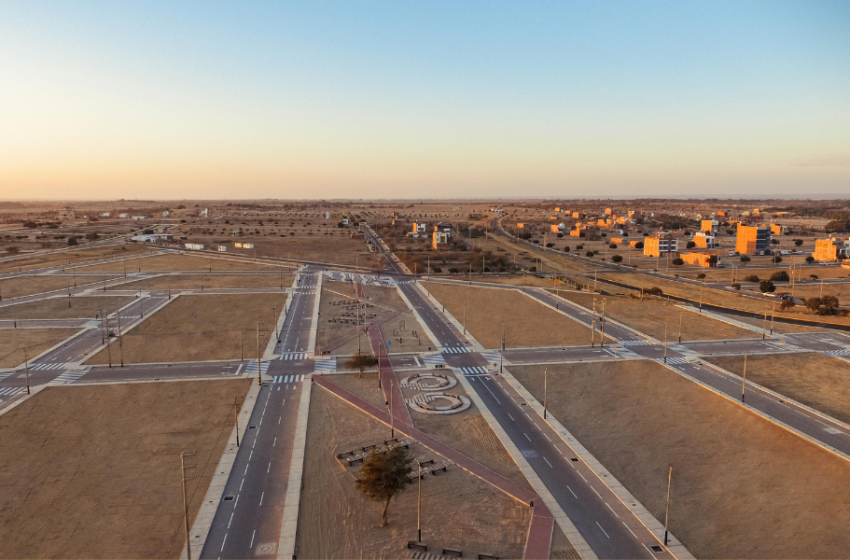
681	314
665	341
27	369
744	383
120	339
667	509
183	469
236	416
545	391
419	506
259	368
602	325
274	322
464	319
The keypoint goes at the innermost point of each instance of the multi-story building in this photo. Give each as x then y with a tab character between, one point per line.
705	241
708	226
752	240
830	250
660	244
776	229
700	259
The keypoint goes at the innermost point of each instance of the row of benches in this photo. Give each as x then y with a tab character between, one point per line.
449	551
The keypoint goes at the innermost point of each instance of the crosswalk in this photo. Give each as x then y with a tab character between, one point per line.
288	378
456	350
675	361
47	367
434	360
637	343
325	366
289	356
838	353
492	356
11	391
252	367
472	370
68	377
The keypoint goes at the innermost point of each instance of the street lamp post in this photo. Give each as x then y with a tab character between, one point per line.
665	341
419	506
259	365
545	390
236	415
183	469
744	383
27	370
120	339
667	509
681	314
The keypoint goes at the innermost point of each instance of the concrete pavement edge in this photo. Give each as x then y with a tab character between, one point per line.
289	524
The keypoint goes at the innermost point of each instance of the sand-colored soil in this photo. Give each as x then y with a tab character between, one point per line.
469	433
206	281
551	261
381	305
365	387
518	280
649	316
201	327
335	250
527	322
94	472
175	262
36	341
77	256
458	509
778	327
813	379
58	308
742	487
29	285
562	548
726	274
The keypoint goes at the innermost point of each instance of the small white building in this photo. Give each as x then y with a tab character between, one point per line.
194	246
152	237
123	215
166	213
222	248
137	218
205	213
104	214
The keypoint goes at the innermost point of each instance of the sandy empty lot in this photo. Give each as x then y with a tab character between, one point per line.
336	250
201	327
28	285
36	341
458	509
649	316
76	256
813	379
94	472
175	262
527	322
206	281
58	308
742	487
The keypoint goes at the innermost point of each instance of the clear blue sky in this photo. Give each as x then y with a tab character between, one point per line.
416	99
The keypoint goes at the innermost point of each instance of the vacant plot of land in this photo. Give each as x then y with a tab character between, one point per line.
517	280
93	472
175	262
201	327
337	330
336	250
818	381
778	327
527	322
65	308
469	433
650	315
29	285
742	487
334	521
66	257
36	341
206	281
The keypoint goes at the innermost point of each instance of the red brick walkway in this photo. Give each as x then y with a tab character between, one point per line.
539	539
389	381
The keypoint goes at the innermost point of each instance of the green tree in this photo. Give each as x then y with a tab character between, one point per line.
779	276
766	286
384	475
360	361
617	258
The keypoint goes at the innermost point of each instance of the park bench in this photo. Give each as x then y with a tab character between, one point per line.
428	462
485	556
434	470
366	448
389	441
346	454
417	545
456	552
354	460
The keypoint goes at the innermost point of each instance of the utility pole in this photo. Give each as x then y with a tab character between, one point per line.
183	469
764	324
120	339
259	368
464	319
665	341
602	325
236	415
274	322
681	314
744	383
106	334
667	509
772	317
27	369
545	391
419	506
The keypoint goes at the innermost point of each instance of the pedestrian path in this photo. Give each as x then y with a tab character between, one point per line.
838	353
252	367
289	356
68	377
288	378
48	367
456	350
325	366
472	370
11	391
675	361
492	356
638	343
434	360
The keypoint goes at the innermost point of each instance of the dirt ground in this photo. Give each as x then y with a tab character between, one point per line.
458	509
562	548
742	487
57	308
813	379
778	327
518	280
29	285
527	323
649	317
726	274
468	432
201	327
36	341
382	306
206	281
93	472
175	262
65	257
335	250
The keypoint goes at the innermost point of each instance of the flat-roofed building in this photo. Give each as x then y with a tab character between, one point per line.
752	240
700	259
708	226
660	244
776	229
830	250
705	241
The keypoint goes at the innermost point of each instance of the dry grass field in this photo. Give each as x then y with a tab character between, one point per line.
335	250
778	327
201	327
649	317
71	257
334	521
29	285
382	306
517	280
175	262
726	274
36	341
813	379
207	281
742	487
93	472
469	433
527	323
81	307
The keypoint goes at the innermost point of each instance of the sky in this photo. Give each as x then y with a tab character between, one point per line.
404	99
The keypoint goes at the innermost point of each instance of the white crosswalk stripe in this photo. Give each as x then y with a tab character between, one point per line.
675	361
289	356
252	367
838	353
434	360
46	367
473	370
68	377
637	343
328	365
288	378
492	356
11	391
5	375
456	350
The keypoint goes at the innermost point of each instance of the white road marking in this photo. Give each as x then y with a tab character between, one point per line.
252	453
269	467
237	501
548	463
581	475
263	495
526	436
612	510
223	541
650	552
231	520
571	492
275	442
241	483
603	530
630	530
255	532
597	493
511	417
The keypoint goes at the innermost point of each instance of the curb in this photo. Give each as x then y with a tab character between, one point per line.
423	324
314	320
292	502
